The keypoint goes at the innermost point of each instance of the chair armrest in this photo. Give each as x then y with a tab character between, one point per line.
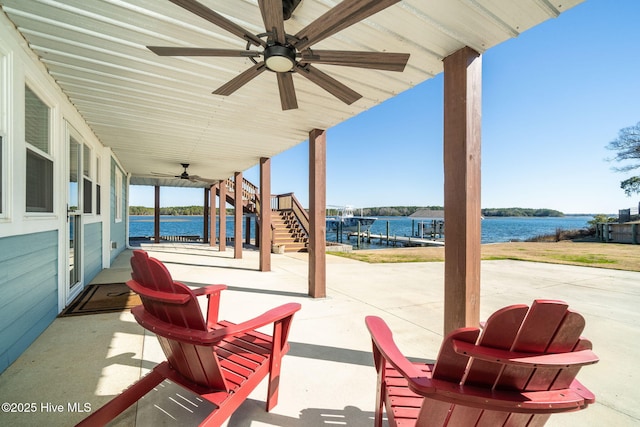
154	295
274	315
550	360
213	304
209	289
382	338
210	338
530	402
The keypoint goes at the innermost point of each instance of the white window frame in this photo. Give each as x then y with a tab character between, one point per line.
46	155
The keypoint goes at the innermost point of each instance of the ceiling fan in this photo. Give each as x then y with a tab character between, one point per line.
185	175
286	54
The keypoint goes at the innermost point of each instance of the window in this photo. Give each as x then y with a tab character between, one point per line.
36	121
86	161
87	188
98	211
118	215
74	177
87	184
39	170
39	183
97	185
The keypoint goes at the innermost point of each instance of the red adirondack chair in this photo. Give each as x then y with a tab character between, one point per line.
212	366
516	371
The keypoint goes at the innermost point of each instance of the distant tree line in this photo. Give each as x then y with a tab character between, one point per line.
175	210
396	210
408	210
373	211
520	212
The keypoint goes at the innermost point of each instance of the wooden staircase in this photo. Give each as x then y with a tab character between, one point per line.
249	195
289	221
287	231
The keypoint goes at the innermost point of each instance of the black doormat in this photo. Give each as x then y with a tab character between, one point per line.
102	298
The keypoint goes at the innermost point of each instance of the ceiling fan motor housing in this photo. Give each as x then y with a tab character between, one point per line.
185	174
279	58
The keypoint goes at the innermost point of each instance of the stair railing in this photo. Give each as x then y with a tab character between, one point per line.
288	201
249	194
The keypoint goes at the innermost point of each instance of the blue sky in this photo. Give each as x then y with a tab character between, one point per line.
552	100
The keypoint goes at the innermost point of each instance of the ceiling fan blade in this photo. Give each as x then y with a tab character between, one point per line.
338	18
215	18
331	85
287	91
376	60
199	51
240	80
165	175
201	179
273	18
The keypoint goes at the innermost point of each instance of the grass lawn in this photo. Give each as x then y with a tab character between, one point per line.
589	254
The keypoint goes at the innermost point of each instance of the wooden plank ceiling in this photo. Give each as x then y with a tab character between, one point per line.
158	112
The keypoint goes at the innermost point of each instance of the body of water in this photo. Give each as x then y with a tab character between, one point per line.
494	229
179	225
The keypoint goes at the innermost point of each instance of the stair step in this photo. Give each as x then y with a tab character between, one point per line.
287	232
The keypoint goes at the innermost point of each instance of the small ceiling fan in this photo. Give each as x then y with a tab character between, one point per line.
185	175
286	54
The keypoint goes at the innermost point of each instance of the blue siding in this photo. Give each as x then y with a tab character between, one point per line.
92	250
29	289
118	229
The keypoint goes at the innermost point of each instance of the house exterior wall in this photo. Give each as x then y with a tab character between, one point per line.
92	243
34	246
29	289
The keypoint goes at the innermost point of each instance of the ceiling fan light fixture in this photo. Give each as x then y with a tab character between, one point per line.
280	59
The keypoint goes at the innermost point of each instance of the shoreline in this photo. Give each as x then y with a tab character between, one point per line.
615	256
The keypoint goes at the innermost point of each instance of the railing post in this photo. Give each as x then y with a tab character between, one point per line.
388	231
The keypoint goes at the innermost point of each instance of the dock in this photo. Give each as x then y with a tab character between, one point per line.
394	240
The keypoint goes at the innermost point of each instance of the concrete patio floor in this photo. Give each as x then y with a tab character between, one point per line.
328	376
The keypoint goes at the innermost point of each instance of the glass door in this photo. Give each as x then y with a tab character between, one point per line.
74	215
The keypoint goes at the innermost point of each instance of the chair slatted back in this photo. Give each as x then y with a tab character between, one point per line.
160	298
546	327
153	275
